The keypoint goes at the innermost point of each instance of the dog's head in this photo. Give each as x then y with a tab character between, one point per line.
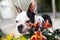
23	24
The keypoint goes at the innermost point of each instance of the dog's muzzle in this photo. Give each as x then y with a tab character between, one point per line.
20	27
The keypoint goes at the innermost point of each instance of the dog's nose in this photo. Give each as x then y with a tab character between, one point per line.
20	26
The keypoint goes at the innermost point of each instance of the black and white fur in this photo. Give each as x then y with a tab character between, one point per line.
22	18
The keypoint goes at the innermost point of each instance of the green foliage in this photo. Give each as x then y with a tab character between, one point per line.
46	6
1	33
57	5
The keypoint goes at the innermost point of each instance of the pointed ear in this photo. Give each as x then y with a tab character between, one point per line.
33	2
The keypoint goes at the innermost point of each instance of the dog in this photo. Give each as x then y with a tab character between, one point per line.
24	23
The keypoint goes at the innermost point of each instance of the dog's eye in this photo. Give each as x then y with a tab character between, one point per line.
28	21
17	21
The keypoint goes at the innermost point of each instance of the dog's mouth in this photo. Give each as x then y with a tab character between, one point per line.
22	30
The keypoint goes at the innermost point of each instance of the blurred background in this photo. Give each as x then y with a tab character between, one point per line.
8	12
49	6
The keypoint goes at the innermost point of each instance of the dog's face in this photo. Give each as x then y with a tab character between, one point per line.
23	25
